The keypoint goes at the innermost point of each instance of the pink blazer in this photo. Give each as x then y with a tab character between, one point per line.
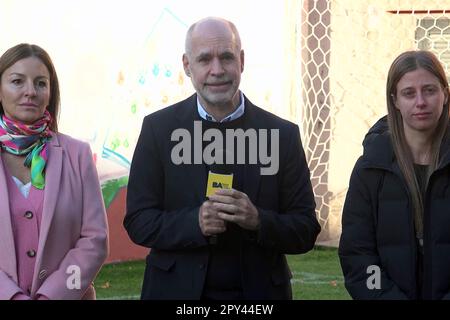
73	231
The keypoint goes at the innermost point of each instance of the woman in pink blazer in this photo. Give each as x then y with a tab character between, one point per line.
53	228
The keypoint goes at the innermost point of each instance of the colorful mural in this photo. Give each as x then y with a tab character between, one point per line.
119	61
150	78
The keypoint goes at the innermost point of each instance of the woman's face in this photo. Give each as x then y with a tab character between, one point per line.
420	99
25	90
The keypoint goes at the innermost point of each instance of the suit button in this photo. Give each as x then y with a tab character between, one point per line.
31	253
28	215
42	274
202	266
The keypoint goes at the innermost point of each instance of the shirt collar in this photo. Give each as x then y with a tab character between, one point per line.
233	116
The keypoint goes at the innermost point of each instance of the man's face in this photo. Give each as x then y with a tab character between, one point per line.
214	64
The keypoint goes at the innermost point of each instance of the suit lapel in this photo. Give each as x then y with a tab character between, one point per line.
196	174
7	247
52	189
251	182
198	178
252	173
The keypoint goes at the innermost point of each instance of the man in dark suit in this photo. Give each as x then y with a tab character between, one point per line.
230	245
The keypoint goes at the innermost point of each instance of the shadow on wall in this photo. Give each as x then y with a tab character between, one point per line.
121	247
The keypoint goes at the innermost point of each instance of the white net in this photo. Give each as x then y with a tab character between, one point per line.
347	48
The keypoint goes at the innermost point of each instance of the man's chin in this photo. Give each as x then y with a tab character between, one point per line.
219	100
222	98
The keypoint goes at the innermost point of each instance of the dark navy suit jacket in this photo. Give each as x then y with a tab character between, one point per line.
163	204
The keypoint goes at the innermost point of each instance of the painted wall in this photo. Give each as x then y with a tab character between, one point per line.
365	38
118	61
319	63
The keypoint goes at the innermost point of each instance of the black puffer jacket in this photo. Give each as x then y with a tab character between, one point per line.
378	226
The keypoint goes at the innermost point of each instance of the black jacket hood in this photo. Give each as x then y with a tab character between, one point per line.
378	149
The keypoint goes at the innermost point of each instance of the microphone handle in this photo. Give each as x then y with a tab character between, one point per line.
213	239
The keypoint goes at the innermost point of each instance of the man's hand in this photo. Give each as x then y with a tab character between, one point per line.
210	222
235	206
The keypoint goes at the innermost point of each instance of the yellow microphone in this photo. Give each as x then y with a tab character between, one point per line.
218	181
220	176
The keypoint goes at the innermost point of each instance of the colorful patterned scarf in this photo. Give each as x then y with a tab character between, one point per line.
30	140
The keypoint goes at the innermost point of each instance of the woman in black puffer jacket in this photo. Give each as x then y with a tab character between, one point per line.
395	241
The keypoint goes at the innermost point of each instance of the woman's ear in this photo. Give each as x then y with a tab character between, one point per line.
394	100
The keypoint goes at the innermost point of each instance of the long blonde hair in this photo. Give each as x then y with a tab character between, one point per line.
404	63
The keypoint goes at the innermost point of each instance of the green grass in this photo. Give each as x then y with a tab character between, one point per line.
120	280
316	275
